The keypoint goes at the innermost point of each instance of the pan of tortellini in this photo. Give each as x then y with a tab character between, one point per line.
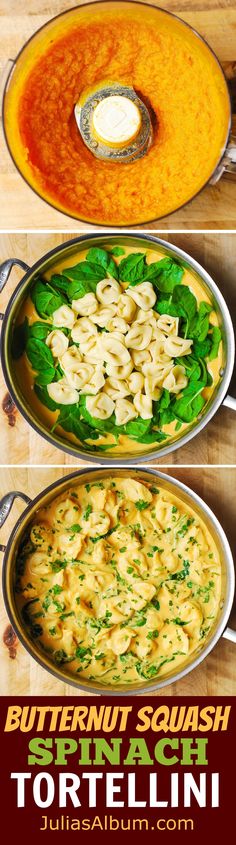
118	348
118	581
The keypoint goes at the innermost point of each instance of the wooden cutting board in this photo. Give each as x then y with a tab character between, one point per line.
215	445
21	675
214	208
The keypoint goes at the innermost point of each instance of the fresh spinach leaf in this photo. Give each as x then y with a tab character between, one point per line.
103	259
45	376
204	371
118	250
85	271
185	301
131	268
45	299
100	425
58	373
166	416
153	437
40	330
43	396
200	324
79	289
202	348
84	279
162	411
69	419
24	331
19	339
164	274
191	365
166	306
60	282
136	429
41	360
181	303
162	403
191	403
215	337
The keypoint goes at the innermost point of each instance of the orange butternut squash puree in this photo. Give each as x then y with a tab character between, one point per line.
25	374
122	605
170	68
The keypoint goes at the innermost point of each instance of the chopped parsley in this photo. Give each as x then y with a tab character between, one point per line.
152	635
75	529
141	505
58	564
87	512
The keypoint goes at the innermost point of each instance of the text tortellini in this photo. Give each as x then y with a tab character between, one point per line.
119	578
121	352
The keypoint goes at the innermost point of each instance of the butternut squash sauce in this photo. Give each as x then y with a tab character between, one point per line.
171	69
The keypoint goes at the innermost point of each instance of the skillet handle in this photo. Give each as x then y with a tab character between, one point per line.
6	505
5	76
6	267
227	166
230	402
230	634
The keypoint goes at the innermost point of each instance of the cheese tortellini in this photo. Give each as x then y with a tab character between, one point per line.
57	342
64	316
139	336
176	379
177	346
103	315
122	354
126	308
86	305
115	351
83	330
82	375
108	291
95	381
125	411
116	388
100	406
70	359
62	392
143	404
168	324
121	579
144	295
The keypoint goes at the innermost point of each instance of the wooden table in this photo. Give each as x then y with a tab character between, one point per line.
216	676
214	445
20	208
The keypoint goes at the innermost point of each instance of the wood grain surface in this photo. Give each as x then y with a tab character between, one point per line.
20	208
214	445
215	676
